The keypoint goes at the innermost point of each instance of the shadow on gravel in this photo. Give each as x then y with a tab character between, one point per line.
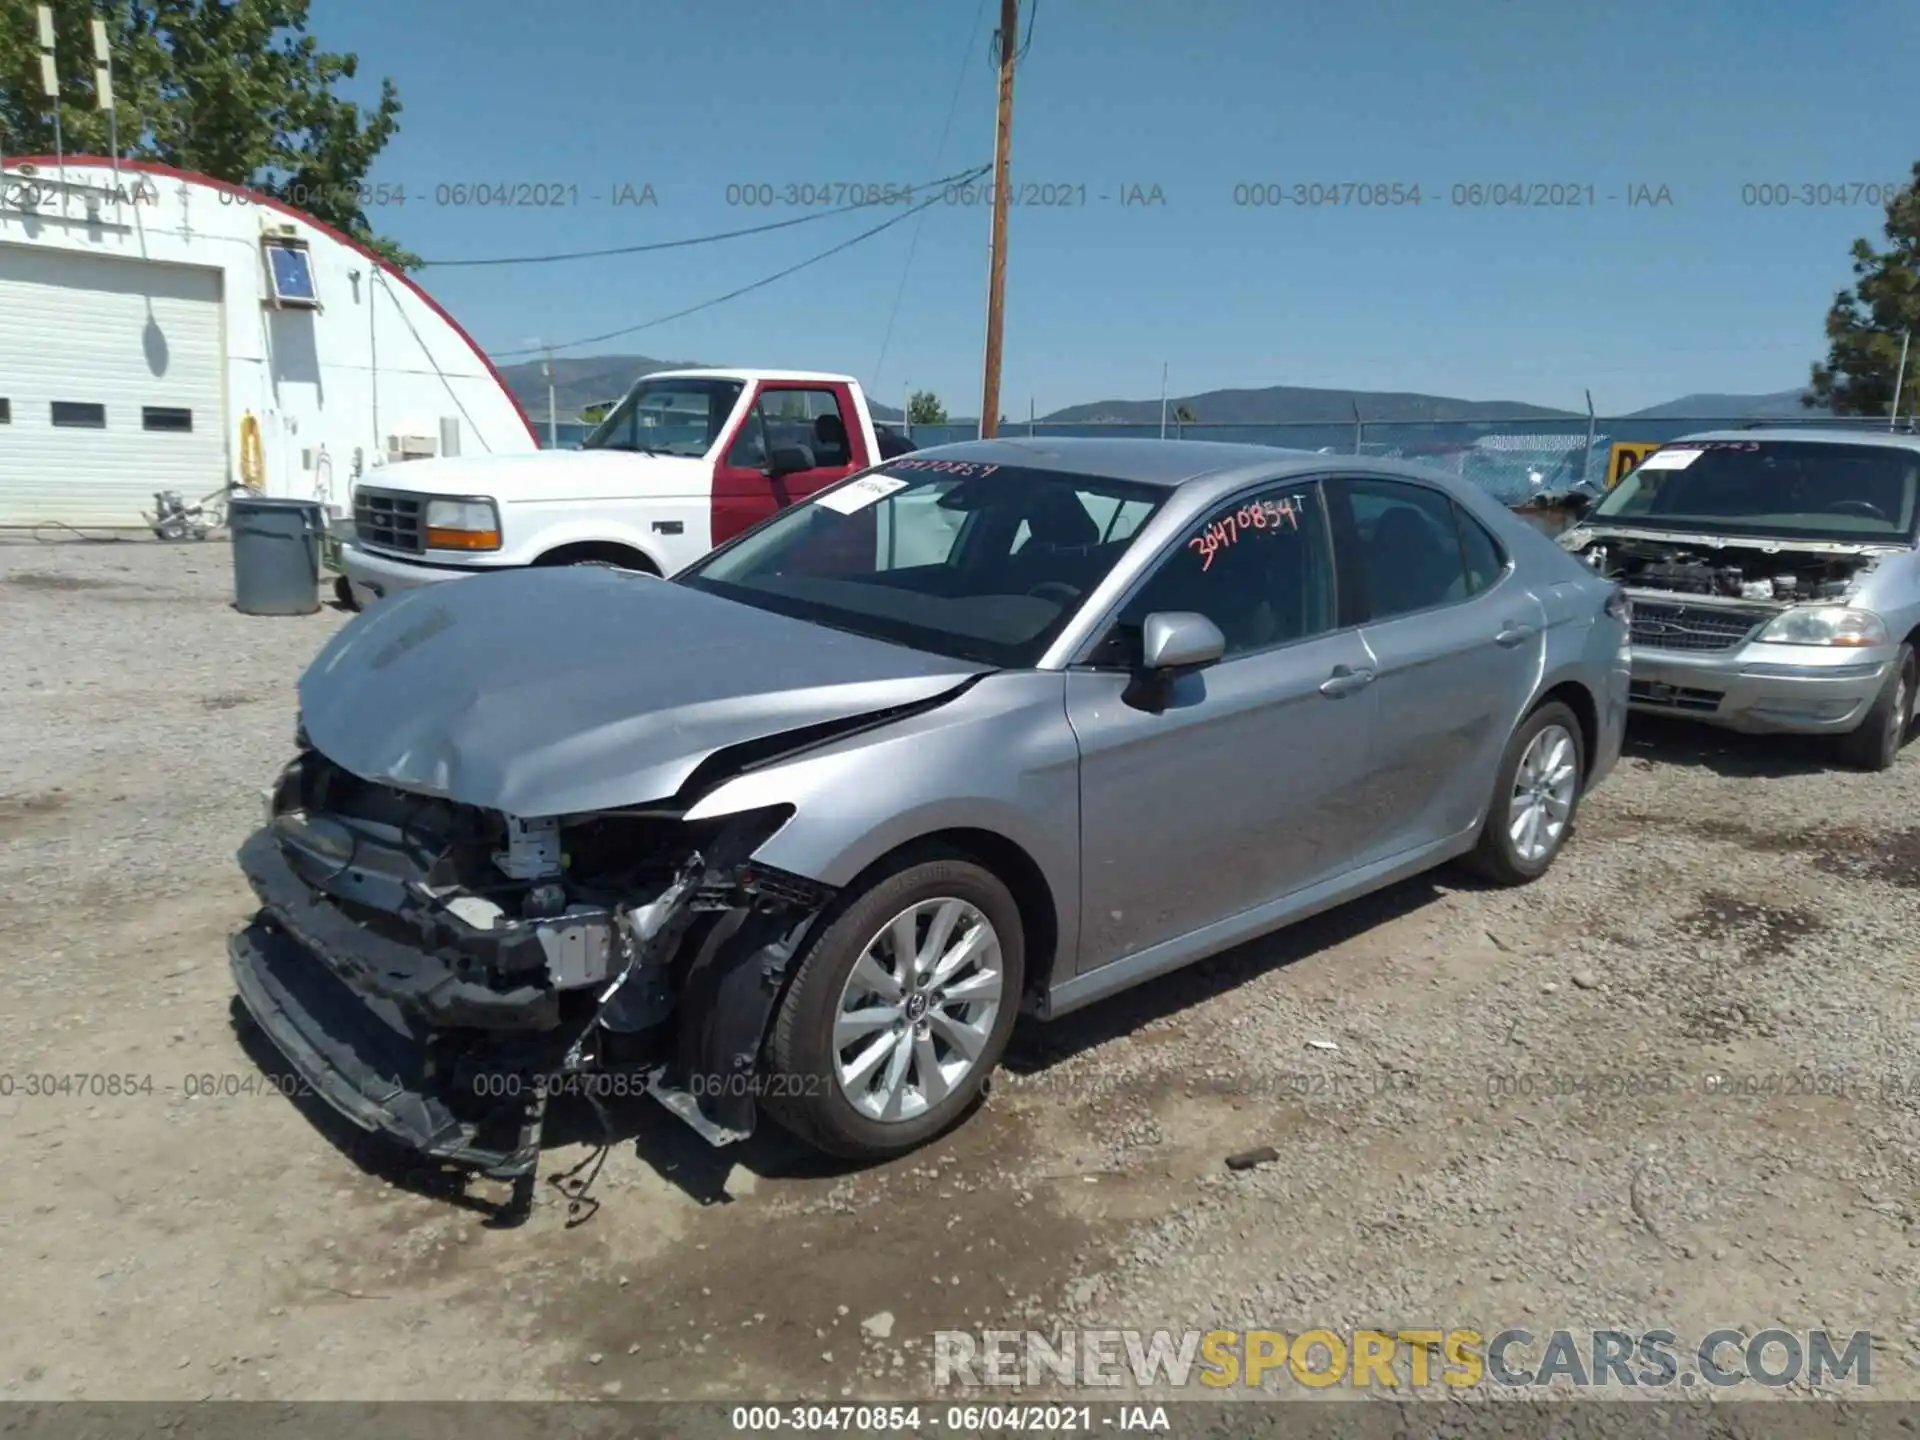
1658	740
1036	1047
42	580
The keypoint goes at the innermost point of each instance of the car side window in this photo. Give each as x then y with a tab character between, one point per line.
749	450
1486	561
1260	567
791	418
1409	547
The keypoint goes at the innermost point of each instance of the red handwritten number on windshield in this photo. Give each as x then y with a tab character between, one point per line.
1280	514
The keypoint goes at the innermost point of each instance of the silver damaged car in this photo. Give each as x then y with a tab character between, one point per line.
993	728
1775	582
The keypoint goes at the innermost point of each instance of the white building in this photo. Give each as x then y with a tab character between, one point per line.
161	330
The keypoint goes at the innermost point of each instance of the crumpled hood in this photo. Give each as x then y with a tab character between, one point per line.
553	691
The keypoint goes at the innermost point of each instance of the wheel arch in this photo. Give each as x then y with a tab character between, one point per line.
1009	863
1586	712
608	552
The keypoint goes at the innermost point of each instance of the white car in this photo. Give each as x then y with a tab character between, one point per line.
686	461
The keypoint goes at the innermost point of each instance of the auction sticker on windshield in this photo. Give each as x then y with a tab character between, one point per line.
1670	459
860	493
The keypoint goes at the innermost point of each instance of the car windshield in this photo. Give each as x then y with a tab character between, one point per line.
668	417
982	562
1789	489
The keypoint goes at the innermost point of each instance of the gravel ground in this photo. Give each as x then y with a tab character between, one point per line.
1671	1085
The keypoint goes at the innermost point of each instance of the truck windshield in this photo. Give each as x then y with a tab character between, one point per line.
984	562
1785	489
668	417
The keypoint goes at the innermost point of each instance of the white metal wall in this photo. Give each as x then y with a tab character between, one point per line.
125	334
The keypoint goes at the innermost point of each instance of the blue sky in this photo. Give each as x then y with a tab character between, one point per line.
1638	303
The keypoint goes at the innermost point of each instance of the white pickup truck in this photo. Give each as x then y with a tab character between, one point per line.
687	460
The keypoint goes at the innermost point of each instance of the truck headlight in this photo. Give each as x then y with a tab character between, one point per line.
1826	625
463	525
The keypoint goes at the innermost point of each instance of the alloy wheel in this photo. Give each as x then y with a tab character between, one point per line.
918	1009
1544	787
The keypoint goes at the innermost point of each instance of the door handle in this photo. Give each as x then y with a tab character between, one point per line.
1513	634
1345	681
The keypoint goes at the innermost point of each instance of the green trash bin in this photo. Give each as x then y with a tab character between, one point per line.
276	554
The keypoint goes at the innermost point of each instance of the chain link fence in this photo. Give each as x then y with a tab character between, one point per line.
1515	460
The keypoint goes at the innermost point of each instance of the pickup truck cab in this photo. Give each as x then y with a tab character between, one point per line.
687	460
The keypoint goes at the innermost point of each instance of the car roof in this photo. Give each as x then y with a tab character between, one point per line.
824	376
1167	463
1815	435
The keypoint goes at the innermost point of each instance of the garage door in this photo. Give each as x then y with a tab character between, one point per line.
111	386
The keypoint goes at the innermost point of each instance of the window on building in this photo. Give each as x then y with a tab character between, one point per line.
79	415
166	417
6	412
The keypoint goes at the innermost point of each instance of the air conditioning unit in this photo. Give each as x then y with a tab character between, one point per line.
411	447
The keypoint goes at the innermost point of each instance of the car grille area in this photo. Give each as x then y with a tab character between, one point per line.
389	519
1661	626
1674	697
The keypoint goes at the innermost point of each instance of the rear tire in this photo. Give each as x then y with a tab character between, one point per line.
1875	745
1545	743
836	1096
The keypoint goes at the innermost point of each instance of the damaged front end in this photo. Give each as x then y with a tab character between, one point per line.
438	972
1774	573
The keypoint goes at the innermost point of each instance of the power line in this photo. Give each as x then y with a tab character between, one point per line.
913	244
944	180
964	178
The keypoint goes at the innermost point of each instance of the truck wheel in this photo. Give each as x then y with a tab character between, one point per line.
899	1011
1875	745
1536	792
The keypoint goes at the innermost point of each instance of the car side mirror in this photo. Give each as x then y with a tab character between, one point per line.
789	460
1173	640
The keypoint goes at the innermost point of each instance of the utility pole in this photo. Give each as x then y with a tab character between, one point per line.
997	266
553	419
1899	379
103	99
50	83
1163	399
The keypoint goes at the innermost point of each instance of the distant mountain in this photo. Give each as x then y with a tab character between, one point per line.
587	381
1780	405
582	382
1291	404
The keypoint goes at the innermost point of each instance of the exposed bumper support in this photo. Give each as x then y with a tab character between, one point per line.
365	1061
410	1040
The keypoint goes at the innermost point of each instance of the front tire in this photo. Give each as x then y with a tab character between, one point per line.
1875	745
1536	794
899	1011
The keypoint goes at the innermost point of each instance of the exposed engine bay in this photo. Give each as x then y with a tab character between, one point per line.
1783	574
473	965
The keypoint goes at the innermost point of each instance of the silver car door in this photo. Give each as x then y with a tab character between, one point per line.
1457	644
1241	789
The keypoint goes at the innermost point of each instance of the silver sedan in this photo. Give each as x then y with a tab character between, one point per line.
996	727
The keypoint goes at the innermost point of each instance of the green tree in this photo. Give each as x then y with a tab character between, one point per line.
924	408
1866	324
1183	415
235	89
